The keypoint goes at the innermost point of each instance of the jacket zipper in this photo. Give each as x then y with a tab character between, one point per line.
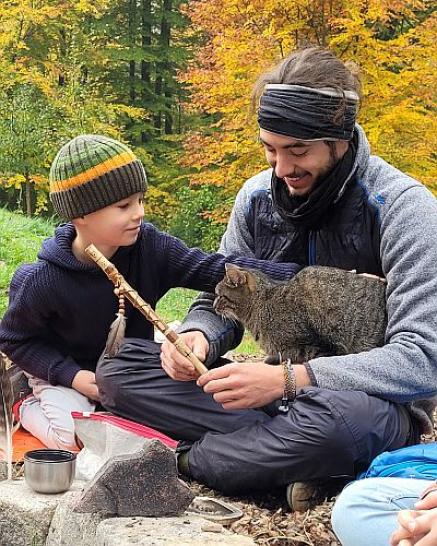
311	248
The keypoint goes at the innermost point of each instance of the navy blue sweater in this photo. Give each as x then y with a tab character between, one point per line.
60	309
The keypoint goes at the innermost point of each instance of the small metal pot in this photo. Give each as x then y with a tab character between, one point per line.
49	470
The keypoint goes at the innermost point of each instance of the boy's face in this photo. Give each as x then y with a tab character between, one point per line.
115	225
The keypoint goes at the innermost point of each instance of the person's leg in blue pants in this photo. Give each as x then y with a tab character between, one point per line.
366	511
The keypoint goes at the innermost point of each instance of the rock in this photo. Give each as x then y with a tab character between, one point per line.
180	531
69	528
144	483
211	527
25	516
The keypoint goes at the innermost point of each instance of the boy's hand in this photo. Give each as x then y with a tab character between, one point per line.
85	383
177	366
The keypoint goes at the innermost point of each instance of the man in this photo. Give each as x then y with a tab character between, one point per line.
324	201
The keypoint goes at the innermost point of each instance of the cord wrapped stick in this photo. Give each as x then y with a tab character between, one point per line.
136	300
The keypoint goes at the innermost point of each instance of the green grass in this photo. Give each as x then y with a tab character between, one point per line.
20	240
174	306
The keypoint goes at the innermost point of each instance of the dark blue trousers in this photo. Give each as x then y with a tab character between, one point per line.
325	434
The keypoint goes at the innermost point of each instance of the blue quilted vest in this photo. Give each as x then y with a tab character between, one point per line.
348	238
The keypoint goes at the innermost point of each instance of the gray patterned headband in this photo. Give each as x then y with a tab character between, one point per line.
307	113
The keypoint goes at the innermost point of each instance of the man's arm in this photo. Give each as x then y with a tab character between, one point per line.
405	368
223	335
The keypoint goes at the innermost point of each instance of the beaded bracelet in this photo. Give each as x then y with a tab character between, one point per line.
289	393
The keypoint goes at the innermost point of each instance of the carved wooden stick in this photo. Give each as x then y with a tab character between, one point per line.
136	300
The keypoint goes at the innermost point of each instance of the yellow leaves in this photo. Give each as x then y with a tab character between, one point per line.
392	42
15	181
159	206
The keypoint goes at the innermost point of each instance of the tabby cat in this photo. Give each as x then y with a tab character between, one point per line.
322	311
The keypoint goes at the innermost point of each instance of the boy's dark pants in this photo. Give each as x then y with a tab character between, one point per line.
324	434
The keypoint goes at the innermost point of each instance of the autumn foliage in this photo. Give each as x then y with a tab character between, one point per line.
392	43
159	74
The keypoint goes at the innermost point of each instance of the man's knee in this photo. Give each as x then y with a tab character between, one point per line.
321	416
109	385
353	423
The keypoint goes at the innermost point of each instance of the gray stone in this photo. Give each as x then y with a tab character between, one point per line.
180	531
70	528
25	516
211	527
140	484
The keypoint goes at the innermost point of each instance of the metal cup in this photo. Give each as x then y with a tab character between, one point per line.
49	470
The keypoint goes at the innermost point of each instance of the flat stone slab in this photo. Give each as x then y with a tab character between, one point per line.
180	531
144	483
25	516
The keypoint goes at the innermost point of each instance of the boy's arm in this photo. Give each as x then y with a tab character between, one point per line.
223	335
24	337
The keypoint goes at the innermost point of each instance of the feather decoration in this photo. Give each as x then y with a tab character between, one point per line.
117	328
6	416
115	336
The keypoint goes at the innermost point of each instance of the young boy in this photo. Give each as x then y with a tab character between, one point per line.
61	307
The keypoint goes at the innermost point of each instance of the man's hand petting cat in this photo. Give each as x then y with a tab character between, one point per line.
244	384
177	366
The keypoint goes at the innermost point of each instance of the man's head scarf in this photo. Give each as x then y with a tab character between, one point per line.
307	113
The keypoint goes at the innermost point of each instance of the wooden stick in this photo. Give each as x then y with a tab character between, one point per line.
137	301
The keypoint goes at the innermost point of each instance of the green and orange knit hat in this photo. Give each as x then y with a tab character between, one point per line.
91	172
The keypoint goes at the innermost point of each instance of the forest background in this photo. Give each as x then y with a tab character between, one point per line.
173	80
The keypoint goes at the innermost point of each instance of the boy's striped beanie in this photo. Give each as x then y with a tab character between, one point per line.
91	172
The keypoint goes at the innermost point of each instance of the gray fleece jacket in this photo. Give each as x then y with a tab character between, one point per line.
403	240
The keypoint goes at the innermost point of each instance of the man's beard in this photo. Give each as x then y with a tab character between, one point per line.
318	180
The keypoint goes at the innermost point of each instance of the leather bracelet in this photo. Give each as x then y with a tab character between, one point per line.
289	393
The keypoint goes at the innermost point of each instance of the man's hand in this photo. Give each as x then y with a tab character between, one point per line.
85	383
418	527
244	384
177	366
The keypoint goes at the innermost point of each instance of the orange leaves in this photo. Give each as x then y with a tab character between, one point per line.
392	42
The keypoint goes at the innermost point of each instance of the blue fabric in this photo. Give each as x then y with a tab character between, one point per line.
366	511
349	238
418	461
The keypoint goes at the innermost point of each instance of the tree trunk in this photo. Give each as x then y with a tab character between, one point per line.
161	88
131	30
146	42
28	195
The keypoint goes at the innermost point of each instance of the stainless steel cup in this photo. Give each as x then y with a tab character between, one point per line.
49	470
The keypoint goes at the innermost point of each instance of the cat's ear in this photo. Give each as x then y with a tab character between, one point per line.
235	276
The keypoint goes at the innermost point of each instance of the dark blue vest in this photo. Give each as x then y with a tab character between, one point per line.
348	238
